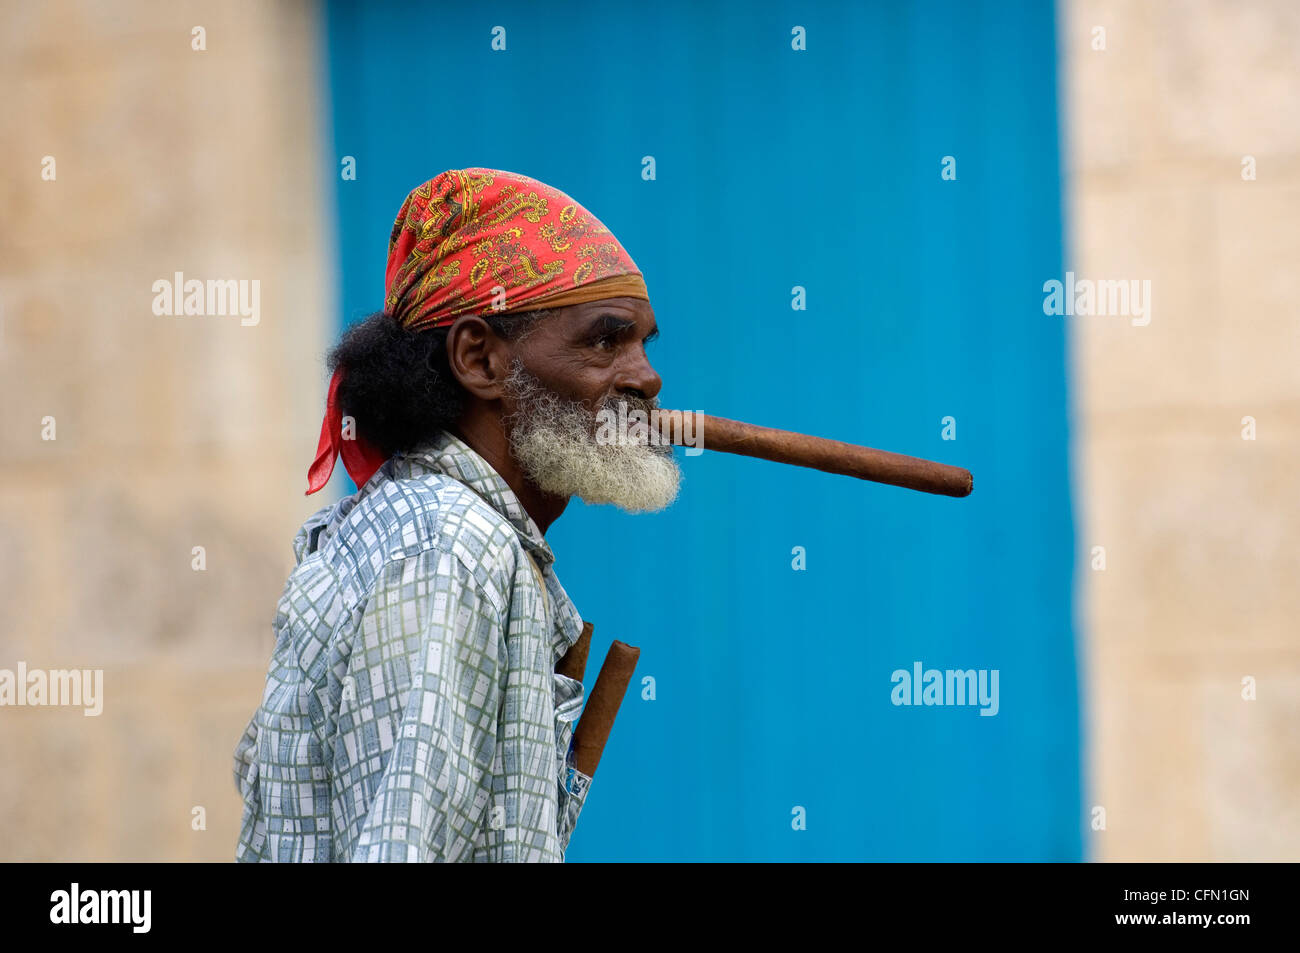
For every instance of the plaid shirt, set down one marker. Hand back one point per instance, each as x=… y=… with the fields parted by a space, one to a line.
x=412 y=710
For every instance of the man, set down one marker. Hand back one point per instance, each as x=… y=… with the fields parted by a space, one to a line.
x=412 y=709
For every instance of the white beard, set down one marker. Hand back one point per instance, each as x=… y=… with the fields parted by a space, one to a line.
x=553 y=441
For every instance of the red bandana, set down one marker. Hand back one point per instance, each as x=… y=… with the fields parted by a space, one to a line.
x=480 y=241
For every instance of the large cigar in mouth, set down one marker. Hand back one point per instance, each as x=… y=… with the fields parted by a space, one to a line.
x=802 y=450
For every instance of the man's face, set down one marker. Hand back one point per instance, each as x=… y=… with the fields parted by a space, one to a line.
x=593 y=351
x=574 y=364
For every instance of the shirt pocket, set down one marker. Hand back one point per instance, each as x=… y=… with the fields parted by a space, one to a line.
x=572 y=784
x=575 y=787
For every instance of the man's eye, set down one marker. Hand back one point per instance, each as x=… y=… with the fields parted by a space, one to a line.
x=603 y=343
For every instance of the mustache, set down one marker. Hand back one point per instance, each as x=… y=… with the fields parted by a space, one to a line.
x=537 y=399
x=613 y=402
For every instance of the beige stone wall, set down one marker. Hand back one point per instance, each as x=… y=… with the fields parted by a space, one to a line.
x=171 y=432
x=1201 y=528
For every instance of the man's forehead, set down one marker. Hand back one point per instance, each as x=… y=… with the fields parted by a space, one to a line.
x=628 y=306
x=636 y=310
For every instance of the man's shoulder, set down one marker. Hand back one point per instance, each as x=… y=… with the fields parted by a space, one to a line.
x=403 y=517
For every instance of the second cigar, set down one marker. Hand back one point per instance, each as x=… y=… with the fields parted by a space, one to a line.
x=804 y=450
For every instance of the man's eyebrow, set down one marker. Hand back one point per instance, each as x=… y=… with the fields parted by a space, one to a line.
x=608 y=324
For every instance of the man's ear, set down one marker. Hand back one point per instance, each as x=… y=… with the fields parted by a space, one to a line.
x=479 y=359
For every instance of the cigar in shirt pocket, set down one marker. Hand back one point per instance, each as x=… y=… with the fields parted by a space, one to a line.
x=604 y=699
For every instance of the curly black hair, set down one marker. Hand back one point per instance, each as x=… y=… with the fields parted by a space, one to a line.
x=398 y=385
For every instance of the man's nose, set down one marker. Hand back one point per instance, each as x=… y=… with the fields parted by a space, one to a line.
x=640 y=379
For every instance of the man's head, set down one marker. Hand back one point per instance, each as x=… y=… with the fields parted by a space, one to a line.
x=461 y=346
x=568 y=369
x=532 y=384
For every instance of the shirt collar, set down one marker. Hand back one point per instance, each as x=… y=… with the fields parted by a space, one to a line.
x=448 y=454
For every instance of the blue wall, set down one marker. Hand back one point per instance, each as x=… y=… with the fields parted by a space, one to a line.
x=779 y=168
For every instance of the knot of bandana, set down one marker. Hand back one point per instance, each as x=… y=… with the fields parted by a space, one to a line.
x=480 y=241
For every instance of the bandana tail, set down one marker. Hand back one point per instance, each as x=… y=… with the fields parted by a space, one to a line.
x=360 y=456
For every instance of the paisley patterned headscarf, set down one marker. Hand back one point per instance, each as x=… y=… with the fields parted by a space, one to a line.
x=480 y=241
